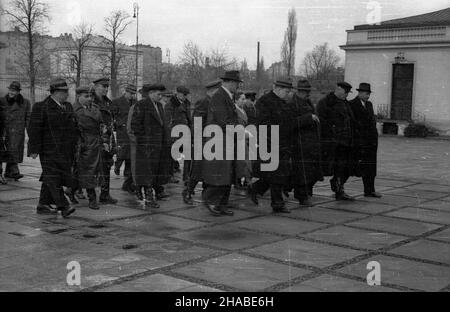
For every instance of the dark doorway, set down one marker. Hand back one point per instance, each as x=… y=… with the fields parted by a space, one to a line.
x=402 y=91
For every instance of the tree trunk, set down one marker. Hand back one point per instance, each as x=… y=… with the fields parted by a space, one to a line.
x=113 y=71
x=79 y=67
x=31 y=64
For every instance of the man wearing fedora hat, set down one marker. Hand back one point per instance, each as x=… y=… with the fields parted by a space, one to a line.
x=273 y=109
x=337 y=138
x=149 y=127
x=367 y=139
x=16 y=115
x=104 y=104
x=120 y=108
x=307 y=154
x=219 y=174
x=53 y=136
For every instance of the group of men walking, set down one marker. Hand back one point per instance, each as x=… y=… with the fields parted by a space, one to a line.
x=76 y=143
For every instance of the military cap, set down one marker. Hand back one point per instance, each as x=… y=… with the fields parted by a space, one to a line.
x=130 y=88
x=303 y=85
x=183 y=90
x=232 y=75
x=345 y=85
x=103 y=80
x=58 y=84
x=83 y=89
x=213 y=84
x=284 y=83
x=15 y=85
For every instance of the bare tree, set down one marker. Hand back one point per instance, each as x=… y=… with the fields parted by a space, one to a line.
x=115 y=25
x=320 y=63
x=76 y=45
x=30 y=16
x=288 y=46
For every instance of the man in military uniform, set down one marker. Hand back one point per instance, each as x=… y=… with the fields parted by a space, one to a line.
x=120 y=109
x=367 y=140
x=337 y=138
x=194 y=174
x=104 y=104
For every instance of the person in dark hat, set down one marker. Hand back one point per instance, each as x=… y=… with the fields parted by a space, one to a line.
x=306 y=145
x=337 y=138
x=104 y=104
x=249 y=106
x=88 y=162
x=152 y=135
x=219 y=174
x=53 y=135
x=16 y=114
x=165 y=98
x=273 y=109
x=367 y=139
x=120 y=108
x=201 y=111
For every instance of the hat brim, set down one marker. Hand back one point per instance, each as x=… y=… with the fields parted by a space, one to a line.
x=15 y=89
x=231 y=79
x=362 y=90
x=283 y=86
x=58 y=89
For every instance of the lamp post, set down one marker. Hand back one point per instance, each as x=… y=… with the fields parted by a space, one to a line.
x=136 y=16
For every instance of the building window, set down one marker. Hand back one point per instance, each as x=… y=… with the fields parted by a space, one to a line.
x=407 y=33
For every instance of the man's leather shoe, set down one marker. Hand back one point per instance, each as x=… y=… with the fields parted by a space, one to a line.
x=373 y=194
x=306 y=202
x=281 y=210
x=45 y=209
x=66 y=211
x=161 y=195
x=16 y=177
x=93 y=205
x=343 y=196
x=226 y=212
x=253 y=195
x=214 y=210
x=151 y=203
x=187 y=199
x=108 y=200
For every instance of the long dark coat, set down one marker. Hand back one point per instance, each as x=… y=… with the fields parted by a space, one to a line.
x=221 y=112
x=89 y=162
x=337 y=128
x=120 y=108
x=250 y=110
x=306 y=144
x=16 y=116
x=272 y=110
x=200 y=110
x=105 y=106
x=366 y=143
x=153 y=149
x=53 y=134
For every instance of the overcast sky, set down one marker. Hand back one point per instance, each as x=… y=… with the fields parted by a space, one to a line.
x=235 y=25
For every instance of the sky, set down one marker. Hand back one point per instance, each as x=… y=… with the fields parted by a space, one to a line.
x=236 y=25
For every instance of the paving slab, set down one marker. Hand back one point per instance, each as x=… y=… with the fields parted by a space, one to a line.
x=425 y=194
x=430 y=187
x=406 y=273
x=395 y=200
x=242 y=272
x=440 y=205
x=158 y=283
x=158 y=224
x=201 y=213
x=330 y=283
x=19 y=194
x=394 y=225
x=306 y=253
x=360 y=206
x=278 y=224
x=358 y=238
x=425 y=215
x=426 y=250
x=319 y=214
x=442 y=236
x=227 y=237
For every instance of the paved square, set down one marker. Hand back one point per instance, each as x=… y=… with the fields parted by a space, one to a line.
x=178 y=247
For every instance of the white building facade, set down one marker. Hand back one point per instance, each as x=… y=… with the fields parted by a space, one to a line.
x=407 y=63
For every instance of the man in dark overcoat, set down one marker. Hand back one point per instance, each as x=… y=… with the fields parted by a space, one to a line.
x=249 y=107
x=272 y=109
x=120 y=108
x=195 y=171
x=53 y=135
x=367 y=140
x=178 y=112
x=306 y=145
x=16 y=115
x=104 y=104
x=152 y=145
x=89 y=160
x=219 y=174
x=337 y=138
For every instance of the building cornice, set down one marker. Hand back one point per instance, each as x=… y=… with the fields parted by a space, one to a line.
x=397 y=45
